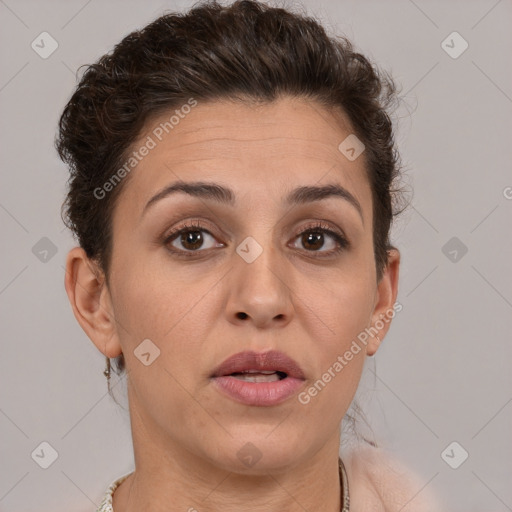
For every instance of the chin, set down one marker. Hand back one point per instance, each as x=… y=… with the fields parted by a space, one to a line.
x=257 y=455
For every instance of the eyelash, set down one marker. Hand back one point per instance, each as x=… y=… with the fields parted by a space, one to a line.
x=342 y=242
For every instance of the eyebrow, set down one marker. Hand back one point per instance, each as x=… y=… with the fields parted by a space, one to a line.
x=221 y=194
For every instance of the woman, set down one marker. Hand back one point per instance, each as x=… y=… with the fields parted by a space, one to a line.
x=232 y=192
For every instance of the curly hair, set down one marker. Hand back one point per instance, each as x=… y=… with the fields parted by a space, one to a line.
x=247 y=52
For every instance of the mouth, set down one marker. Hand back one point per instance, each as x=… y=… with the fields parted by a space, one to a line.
x=259 y=376
x=270 y=366
x=258 y=379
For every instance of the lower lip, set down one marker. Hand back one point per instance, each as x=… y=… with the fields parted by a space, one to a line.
x=258 y=393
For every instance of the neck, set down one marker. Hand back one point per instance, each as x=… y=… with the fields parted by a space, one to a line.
x=169 y=491
x=168 y=478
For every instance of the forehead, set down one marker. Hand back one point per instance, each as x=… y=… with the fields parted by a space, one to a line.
x=261 y=152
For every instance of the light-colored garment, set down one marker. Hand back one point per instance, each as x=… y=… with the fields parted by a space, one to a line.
x=106 y=502
x=381 y=482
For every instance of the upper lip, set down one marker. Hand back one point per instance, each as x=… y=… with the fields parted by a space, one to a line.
x=271 y=360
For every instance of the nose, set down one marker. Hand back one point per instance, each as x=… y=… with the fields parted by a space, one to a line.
x=259 y=288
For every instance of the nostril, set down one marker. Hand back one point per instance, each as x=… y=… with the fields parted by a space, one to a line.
x=242 y=315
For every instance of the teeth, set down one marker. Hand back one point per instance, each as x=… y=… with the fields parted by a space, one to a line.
x=264 y=372
x=257 y=376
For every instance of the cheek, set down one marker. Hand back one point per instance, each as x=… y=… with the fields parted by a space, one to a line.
x=339 y=306
x=175 y=310
x=177 y=318
x=339 y=311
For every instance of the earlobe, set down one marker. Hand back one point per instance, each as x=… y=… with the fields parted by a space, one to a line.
x=384 y=311
x=90 y=300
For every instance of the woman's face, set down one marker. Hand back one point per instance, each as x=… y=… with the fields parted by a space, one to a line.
x=247 y=276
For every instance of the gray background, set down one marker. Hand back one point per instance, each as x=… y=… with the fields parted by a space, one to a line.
x=443 y=372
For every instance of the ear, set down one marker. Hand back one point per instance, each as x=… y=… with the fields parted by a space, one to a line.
x=91 y=302
x=383 y=312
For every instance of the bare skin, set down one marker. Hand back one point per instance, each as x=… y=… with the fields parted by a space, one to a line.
x=299 y=297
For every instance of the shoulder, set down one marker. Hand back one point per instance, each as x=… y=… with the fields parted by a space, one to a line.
x=378 y=481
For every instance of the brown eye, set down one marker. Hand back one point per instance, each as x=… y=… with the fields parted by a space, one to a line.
x=190 y=239
x=313 y=240
x=316 y=238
